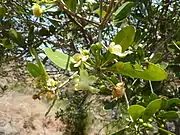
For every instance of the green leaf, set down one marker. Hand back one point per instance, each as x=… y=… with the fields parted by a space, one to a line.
x=149 y=71
x=9 y=46
x=16 y=37
x=33 y=69
x=152 y=108
x=156 y=57
x=2 y=11
x=71 y=4
x=136 y=111
x=97 y=11
x=123 y=11
x=172 y=102
x=109 y=105
x=44 y=32
x=84 y=81
x=59 y=58
x=125 y=37
x=170 y=115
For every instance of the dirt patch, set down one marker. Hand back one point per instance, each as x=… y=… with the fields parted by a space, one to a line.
x=21 y=115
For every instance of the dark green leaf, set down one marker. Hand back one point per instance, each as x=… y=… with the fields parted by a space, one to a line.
x=152 y=108
x=125 y=37
x=16 y=37
x=9 y=46
x=123 y=11
x=71 y=4
x=104 y=90
x=44 y=32
x=136 y=111
x=59 y=58
x=170 y=115
x=110 y=105
x=148 y=72
x=33 y=69
x=2 y=11
x=172 y=102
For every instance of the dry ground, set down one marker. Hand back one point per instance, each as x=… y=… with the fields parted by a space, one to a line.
x=21 y=115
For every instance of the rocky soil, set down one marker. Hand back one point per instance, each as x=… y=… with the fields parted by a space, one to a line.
x=19 y=113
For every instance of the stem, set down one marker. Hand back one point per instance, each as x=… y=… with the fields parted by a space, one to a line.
x=176 y=45
x=100 y=18
x=108 y=79
x=108 y=15
x=152 y=91
x=127 y=103
x=78 y=16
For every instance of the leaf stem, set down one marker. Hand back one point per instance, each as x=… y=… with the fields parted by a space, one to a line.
x=150 y=84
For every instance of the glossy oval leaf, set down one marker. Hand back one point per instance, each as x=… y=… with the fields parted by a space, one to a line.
x=33 y=69
x=152 y=108
x=136 y=111
x=125 y=37
x=123 y=11
x=148 y=71
x=60 y=59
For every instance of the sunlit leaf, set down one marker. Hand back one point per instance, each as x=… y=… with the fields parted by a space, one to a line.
x=123 y=11
x=125 y=37
x=149 y=71
x=84 y=81
x=59 y=58
x=136 y=111
x=33 y=69
x=153 y=107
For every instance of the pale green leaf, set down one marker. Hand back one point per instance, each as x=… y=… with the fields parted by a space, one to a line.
x=125 y=37
x=149 y=71
x=136 y=111
x=59 y=58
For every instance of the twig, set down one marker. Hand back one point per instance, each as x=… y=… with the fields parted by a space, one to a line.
x=100 y=18
x=54 y=101
x=65 y=9
x=108 y=15
x=152 y=91
x=176 y=45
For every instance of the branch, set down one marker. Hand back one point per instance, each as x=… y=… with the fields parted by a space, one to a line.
x=109 y=13
x=65 y=9
x=73 y=17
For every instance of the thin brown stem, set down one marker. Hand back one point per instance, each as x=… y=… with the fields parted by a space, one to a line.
x=109 y=13
x=67 y=11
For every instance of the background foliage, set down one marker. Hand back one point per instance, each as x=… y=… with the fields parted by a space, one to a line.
x=147 y=32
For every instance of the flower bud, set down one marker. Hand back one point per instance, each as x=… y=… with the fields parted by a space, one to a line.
x=37 y=11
